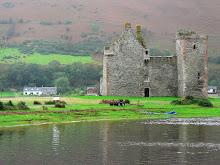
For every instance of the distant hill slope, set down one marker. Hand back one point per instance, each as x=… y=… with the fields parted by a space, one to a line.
x=75 y=20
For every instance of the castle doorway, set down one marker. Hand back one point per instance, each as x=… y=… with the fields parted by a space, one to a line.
x=147 y=92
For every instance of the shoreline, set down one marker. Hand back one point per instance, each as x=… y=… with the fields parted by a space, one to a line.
x=119 y=115
x=85 y=108
x=69 y=122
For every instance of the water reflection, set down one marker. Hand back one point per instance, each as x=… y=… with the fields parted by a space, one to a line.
x=56 y=139
x=164 y=141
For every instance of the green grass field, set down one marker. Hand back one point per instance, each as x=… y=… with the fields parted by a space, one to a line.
x=14 y=94
x=87 y=108
x=7 y=94
x=41 y=59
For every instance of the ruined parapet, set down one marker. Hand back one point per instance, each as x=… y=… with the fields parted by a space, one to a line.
x=108 y=51
x=184 y=34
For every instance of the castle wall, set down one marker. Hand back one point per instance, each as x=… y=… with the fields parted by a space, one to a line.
x=192 y=65
x=161 y=76
x=124 y=65
x=103 y=80
x=180 y=52
x=129 y=70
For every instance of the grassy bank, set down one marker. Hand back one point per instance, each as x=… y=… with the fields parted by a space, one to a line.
x=13 y=55
x=88 y=108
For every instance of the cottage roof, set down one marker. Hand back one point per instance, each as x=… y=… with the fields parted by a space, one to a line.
x=39 y=88
x=93 y=88
x=212 y=87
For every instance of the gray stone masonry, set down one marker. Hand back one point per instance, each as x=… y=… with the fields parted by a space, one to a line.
x=191 y=50
x=129 y=70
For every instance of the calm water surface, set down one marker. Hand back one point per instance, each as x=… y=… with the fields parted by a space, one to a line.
x=161 y=141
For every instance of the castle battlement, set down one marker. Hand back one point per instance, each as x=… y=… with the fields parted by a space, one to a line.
x=184 y=34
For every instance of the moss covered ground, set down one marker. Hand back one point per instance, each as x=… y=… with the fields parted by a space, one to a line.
x=87 y=108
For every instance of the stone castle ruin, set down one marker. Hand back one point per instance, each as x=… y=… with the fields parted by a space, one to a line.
x=130 y=70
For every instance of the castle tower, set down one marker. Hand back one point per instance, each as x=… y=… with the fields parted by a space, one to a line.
x=192 y=59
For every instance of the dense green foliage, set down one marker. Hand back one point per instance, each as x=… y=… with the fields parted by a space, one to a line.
x=37 y=102
x=191 y=100
x=60 y=104
x=214 y=70
x=88 y=47
x=12 y=55
x=65 y=77
x=215 y=59
x=94 y=27
x=46 y=23
x=10 y=106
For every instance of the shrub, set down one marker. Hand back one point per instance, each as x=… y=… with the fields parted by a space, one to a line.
x=60 y=105
x=1 y=106
x=68 y=22
x=3 y=22
x=45 y=107
x=187 y=102
x=191 y=100
x=84 y=35
x=67 y=29
x=37 y=102
x=49 y=102
x=127 y=101
x=9 y=106
x=205 y=103
x=21 y=106
x=176 y=102
x=189 y=97
x=9 y=103
x=62 y=102
x=94 y=27
x=21 y=21
x=46 y=23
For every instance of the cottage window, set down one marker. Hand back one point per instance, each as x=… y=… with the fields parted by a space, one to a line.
x=147 y=52
x=26 y=93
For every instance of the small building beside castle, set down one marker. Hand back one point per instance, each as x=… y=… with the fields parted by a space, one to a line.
x=130 y=70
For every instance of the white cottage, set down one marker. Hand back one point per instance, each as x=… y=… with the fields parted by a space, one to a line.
x=40 y=91
x=212 y=91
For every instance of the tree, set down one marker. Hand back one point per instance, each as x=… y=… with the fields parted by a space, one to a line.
x=21 y=21
x=62 y=84
x=67 y=29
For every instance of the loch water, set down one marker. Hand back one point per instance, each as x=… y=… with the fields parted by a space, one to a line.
x=153 y=141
